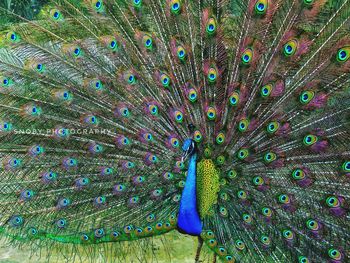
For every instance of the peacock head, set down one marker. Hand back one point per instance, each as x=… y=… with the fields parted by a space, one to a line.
x=189 y=148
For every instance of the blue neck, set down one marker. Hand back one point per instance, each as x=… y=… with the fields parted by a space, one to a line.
x=189 y=221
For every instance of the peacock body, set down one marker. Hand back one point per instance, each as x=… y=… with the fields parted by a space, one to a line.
x=223 y=119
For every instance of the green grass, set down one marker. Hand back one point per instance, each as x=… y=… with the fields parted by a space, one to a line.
x=178 y=248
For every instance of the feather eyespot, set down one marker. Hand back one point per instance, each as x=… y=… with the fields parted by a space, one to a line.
x=303 y=259
x=283 y=199
x=346 y=166
x=332 y=201
x=261 y=7
x=192 y=95
x=239 y=244
x=243 y=154
x=220 y=138
x=211 y=26
x=147 y=42
x=212 y=75
x=137 y=3
x=288 y=234
x=290 y=48
x=97 y=5
x=309 y=2
x=247 y=56
x=211 y=113
x=272 y=127
x=343 y=54
x=335 y=254
x=258 y=180
x=243 y=125
x=175 y=7
x=310 y=140
x=61 y=223
x=306 y=96
x=265 y=240
x=232 y=174
x=266 y=211
x=312 y=224
x=266 y=90
x=234 y=99
x=298 y=174
x=197 y=136
x=13 y=37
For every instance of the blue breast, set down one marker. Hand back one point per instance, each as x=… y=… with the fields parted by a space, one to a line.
x=189 y=221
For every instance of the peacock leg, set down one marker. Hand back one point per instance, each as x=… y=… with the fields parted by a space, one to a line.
x=199 y=248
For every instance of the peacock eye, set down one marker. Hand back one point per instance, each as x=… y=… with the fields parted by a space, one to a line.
x=153 y=109
x=137 y=3
x=288 y=234
x=267 y=211
x=113 y=44
x=197 y=136
x=272 y=127
x=332 y=202
x=335 y=254
x=232 y=174
x=220 y=160
x=175 y=143
x=98 y=5
x=178 y=115
x=165 y=80
x=265 y=240
x=266 y=90
x=346 y=166
x=303 y=259
x=312 y=224
x=147 y=42
x=283 y=199
x=261 y=7
x=247 y=218
x=306 y=96
x=77 y=52
x=211 y=26
x=13 y=37
x=181 y=53
x=243 y=125
x=290 y=48
x=239 y=244
x=243 y=154
x=258 y=180
x=310 y=140
x=343 y=54
x=211 y=113
x=247 y=56
x=308 y=2
x=61 y=223
x=298 y=174
x=220 y=138
x=175 y=7
x=192 y=95
x=212 y=75
x=270 y=157
x=234 y=99
x=40 y=68
x=56 y=15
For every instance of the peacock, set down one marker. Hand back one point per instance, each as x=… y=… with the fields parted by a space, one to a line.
x=226 y=120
